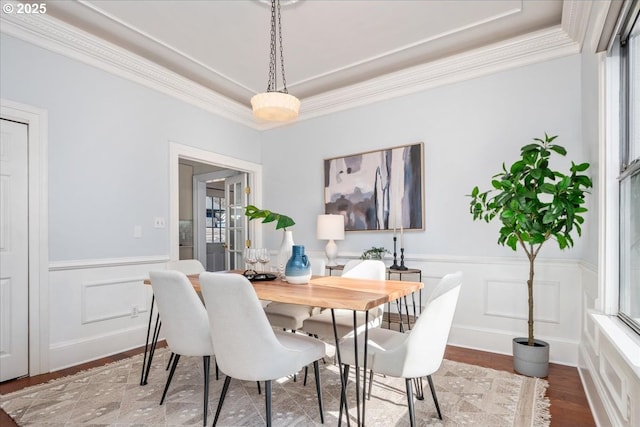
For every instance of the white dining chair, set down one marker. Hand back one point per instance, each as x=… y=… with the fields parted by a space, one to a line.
x=186 y=266
x=321 y=324
x=350 y=264
x=412 y=355
x=291 y=316
x=247 y=347
x=185 y=321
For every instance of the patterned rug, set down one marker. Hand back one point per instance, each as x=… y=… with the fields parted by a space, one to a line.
x=111 y=395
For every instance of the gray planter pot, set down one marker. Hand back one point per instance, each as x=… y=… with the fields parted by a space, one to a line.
x=532 y=361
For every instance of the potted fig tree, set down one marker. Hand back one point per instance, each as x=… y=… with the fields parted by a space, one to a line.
x=535 y=204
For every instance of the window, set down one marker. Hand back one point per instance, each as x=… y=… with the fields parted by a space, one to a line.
x=216 y=220
x=629 y=304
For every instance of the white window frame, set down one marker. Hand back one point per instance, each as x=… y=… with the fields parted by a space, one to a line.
x=614 y=152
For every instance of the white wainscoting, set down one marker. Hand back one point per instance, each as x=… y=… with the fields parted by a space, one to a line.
x=609 y=362
x=98 y=307
x=492 y=309
x=93 y=315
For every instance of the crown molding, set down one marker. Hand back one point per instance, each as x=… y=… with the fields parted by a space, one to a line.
x=575 y=19
x=54 y=35
x=535 y=47
x=57 y=36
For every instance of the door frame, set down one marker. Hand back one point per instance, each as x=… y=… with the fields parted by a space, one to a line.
x=178 y=151
x=37 y=121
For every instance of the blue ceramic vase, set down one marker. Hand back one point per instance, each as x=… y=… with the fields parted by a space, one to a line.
x=298 y=269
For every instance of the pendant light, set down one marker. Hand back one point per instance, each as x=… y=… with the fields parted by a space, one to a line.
x=275 y=105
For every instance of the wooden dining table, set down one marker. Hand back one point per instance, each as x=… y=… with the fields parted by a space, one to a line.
x=329 y=292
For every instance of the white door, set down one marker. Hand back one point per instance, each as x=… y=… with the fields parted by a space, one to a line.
x=237 y=199
x=14 y=251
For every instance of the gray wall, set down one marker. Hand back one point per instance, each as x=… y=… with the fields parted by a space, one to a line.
x=468 y=130
x=108 y=150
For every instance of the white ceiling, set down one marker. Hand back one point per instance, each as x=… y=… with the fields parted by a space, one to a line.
x=337 y=52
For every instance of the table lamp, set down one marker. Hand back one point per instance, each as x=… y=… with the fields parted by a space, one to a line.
x=330 y=227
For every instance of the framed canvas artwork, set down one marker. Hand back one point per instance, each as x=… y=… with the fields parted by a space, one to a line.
x=377 y=190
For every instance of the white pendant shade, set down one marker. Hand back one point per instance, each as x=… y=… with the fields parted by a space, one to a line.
x=275 y=106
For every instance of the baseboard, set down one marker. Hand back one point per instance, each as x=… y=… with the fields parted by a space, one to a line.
x=76 y=352
x=561 y=352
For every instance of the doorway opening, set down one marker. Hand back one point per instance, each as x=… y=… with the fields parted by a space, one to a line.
x=199 y=177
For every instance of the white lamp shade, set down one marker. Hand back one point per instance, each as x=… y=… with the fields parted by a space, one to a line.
x=330 y=227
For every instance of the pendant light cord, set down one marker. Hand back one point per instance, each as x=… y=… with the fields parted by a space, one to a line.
x=272 y=85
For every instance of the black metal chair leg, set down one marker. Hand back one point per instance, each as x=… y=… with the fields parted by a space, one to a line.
x=370 y=383
x=294 y=375
x=206 y=362
x=217 y=371
x=171 y=372
x=267 y=401
x=225 y=387
x=419 y=390
x=146 y=343
x=306 y=374
x=316 y=371
x=433 y=393
x=316 y=336
x=152 y=350
x=412 y=415
x=169 y=362
x=259 y=388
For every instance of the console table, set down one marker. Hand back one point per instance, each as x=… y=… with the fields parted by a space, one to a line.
x=400 y=273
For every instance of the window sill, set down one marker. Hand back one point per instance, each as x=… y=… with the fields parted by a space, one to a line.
x=622 y=338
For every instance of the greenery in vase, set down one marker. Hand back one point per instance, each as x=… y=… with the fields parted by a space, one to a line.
x=534 y=204
x=374 y=253
x=282 y=221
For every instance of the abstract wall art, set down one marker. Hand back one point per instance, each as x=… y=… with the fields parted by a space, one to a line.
x=377 y=190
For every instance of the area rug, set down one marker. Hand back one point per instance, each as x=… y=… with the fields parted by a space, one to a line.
x=111 y=395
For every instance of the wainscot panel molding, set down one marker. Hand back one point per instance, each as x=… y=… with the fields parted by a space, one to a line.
x=131 y=300
x=609 y=361
x=98 y=307
x=110 y=262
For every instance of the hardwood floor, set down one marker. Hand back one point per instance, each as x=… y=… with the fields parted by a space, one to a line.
x=569 y=405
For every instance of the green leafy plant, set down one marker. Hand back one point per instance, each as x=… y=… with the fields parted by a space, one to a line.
x=282 y=221
x=534 y=204
x=374 y=253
